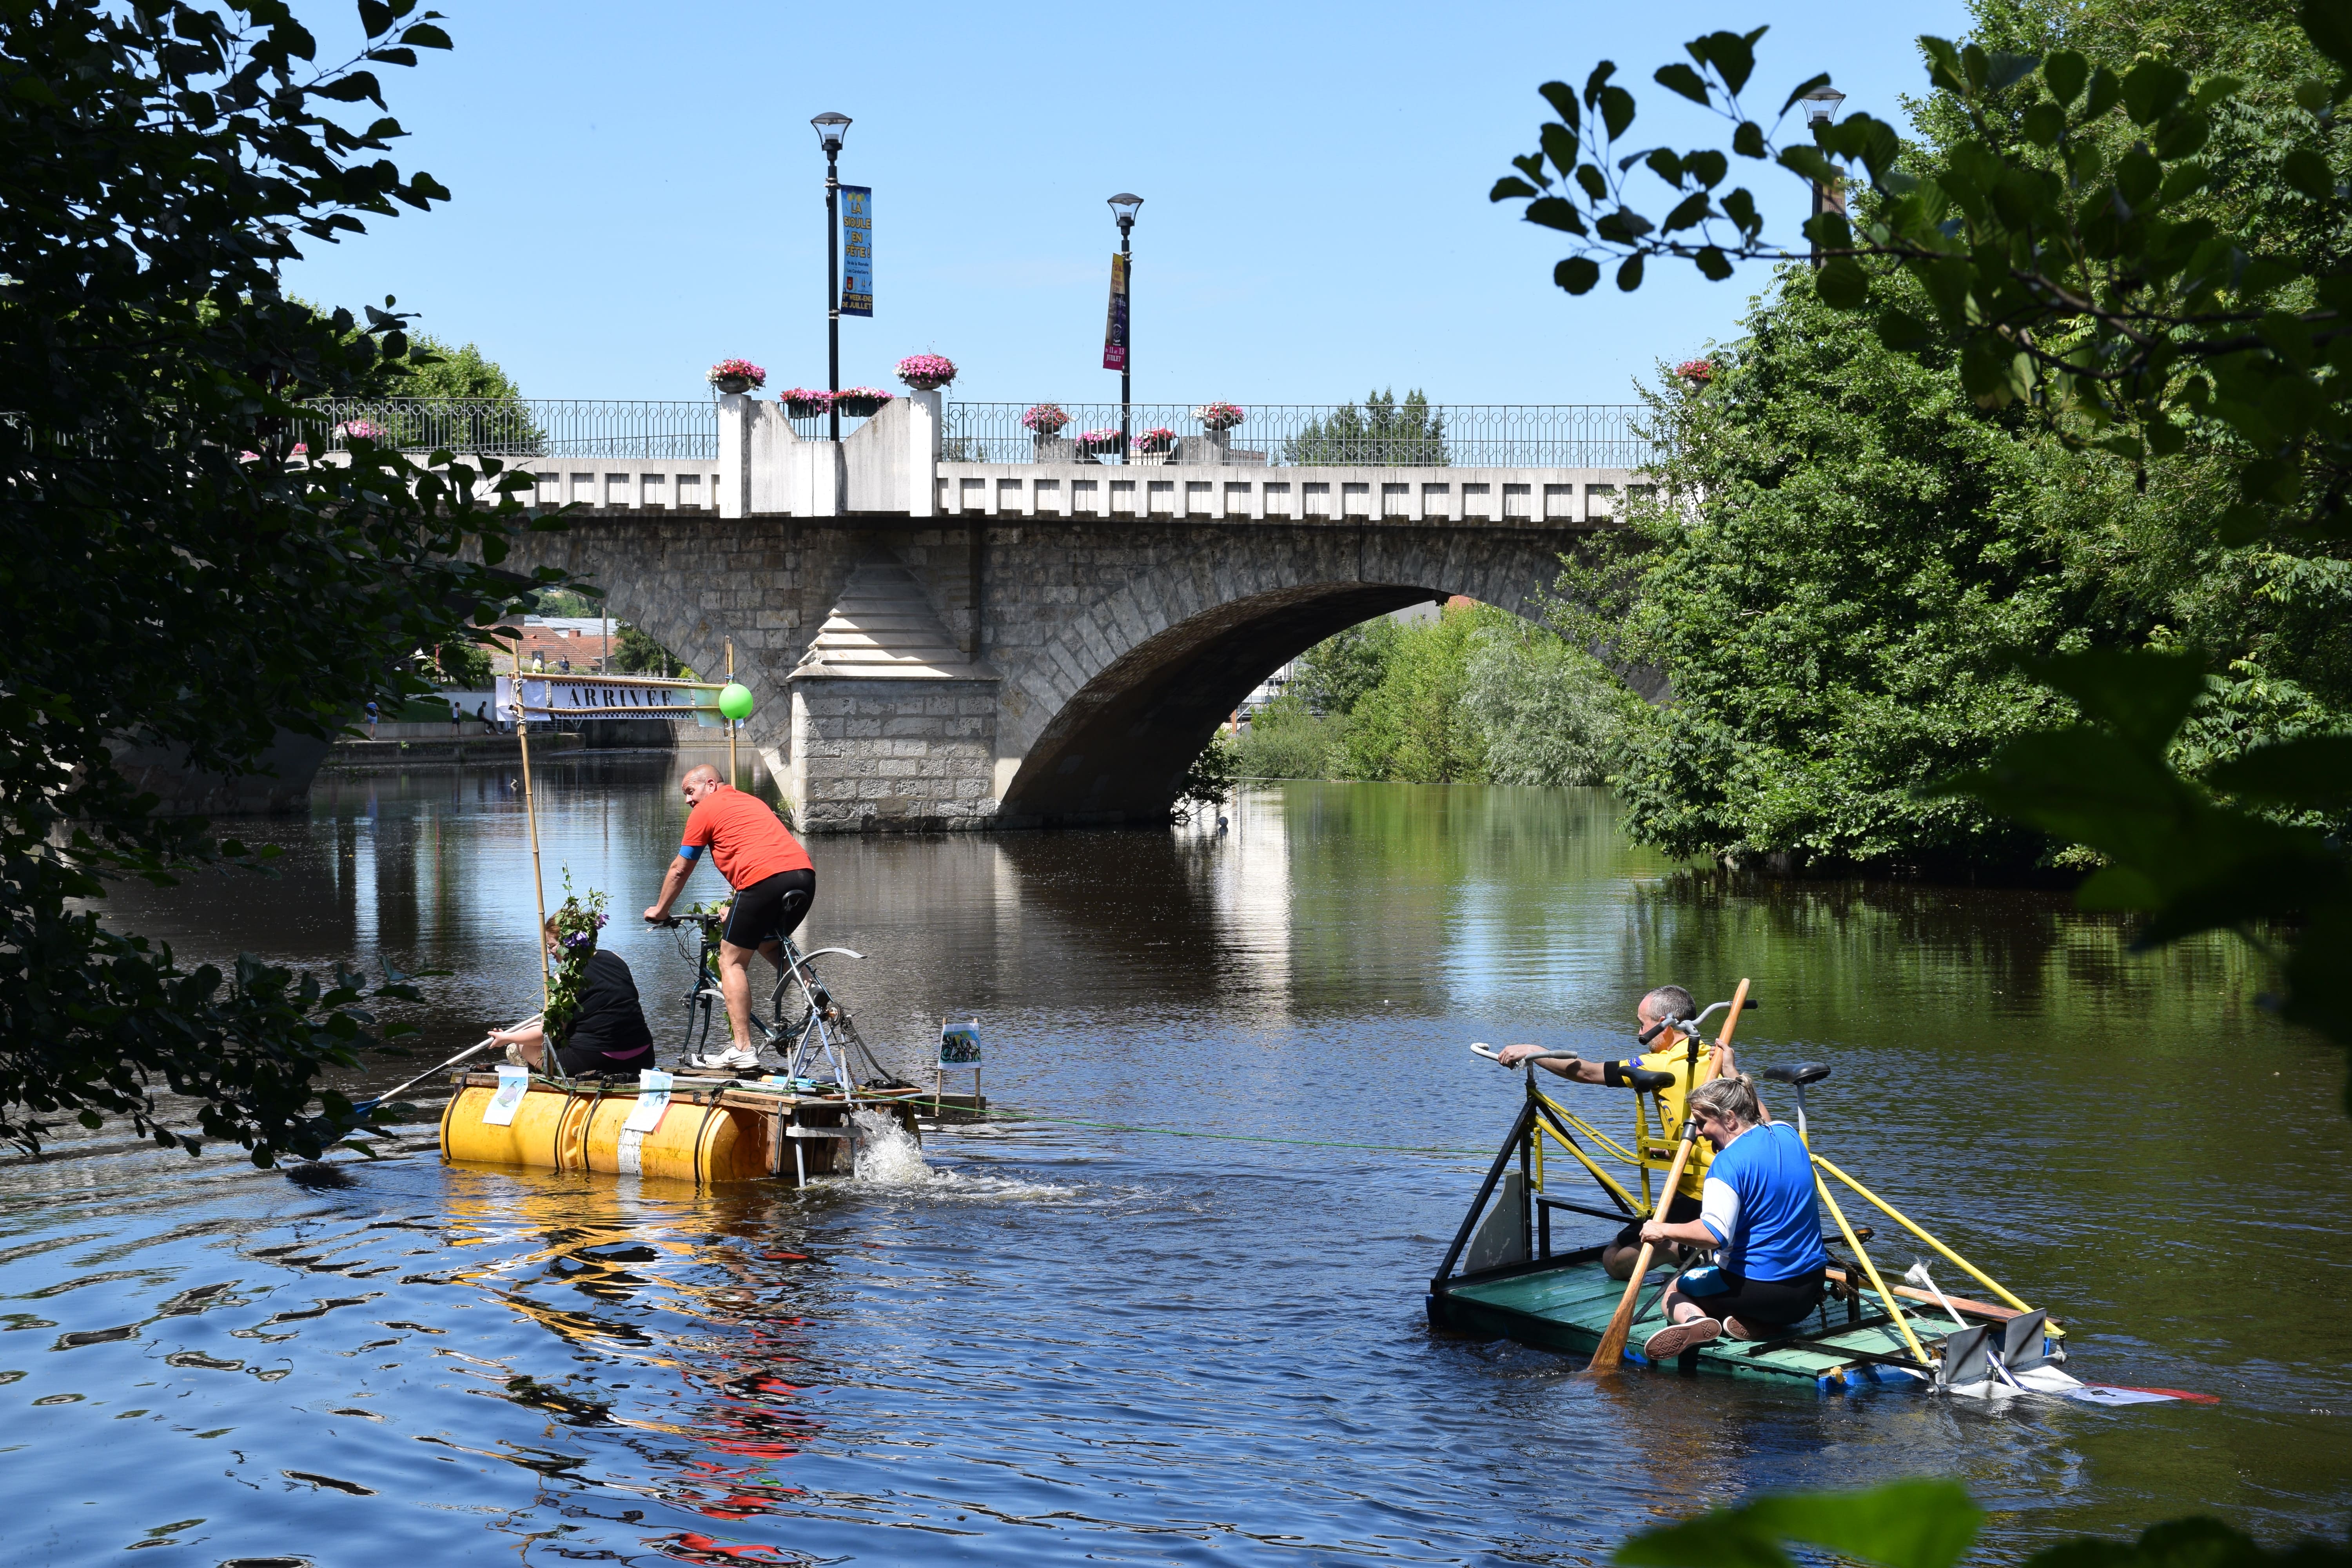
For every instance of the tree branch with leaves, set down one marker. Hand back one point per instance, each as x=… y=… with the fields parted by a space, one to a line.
x=2065 y=237
x=175 y=573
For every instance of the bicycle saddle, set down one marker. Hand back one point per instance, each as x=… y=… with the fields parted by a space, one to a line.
x=1802 y=1073
x=1646 y=1081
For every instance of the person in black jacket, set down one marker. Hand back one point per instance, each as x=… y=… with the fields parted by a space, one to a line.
x=609 y=1036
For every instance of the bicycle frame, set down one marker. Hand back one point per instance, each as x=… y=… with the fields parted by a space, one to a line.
x=819 y=1034
x=817 y=1024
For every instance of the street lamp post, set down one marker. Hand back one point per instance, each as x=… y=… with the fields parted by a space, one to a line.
x=830 y=131
x=1820 y=109
x=1123 y=206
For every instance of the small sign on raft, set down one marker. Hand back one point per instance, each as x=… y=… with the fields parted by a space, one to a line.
x=513 y=1084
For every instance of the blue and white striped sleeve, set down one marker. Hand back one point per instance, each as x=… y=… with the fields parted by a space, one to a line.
x=1719 y=1209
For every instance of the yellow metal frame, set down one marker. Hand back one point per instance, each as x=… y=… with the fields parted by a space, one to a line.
x=1646 y=1205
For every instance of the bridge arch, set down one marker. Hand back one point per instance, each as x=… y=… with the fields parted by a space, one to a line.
x=1166 y=652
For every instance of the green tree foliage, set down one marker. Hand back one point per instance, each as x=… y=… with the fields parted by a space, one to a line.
x=2069 y=236
x=1478 y=695
x=442 y=372
x=634 y=653
x=1333 y=676
x=1924 y=1523
x=1287 y=739
x=463 y=665
x=568 y=603
x=2094 y=235
x=1550 y=714
x=1414 y=726
x=171 y=581
x=1383 y=433
x=1836 y=615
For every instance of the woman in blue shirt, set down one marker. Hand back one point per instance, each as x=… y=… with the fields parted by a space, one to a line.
x=1759 y=1213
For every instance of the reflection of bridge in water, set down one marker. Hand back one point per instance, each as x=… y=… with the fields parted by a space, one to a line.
x=953 y=620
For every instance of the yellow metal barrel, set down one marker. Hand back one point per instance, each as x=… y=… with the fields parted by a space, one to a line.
x=581 y=1130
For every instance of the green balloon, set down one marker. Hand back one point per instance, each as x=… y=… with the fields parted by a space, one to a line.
x=735 y=701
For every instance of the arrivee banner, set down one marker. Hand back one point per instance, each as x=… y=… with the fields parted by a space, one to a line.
x=564 y=697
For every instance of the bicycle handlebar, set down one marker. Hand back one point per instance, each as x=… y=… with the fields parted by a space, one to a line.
x=1692 y=1025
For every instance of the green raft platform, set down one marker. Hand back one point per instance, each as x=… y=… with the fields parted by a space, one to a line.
x=1563 y=1303
x=1502 y=1279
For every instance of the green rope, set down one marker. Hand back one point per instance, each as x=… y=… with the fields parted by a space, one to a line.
x=1228 y=1137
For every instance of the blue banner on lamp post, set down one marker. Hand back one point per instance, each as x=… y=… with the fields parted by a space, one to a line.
x=858 y=250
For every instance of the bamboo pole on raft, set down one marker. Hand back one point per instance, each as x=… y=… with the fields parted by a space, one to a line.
x=731 y=725
x=531 y=816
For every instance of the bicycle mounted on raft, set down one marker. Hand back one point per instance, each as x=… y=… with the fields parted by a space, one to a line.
x=819 y=1032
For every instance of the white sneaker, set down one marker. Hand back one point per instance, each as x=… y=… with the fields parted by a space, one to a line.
x=738 y=1059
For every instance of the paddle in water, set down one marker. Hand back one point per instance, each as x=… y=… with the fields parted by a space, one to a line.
x=1609 y=1353
x=366 y=1106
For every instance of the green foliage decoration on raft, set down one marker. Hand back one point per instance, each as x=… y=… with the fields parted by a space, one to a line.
x=577 y=921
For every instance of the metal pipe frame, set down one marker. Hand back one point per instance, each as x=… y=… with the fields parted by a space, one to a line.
x=1979 y=1275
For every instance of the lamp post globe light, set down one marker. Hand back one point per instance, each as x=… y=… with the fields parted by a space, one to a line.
x=1820 y=109
x=1123 y=208
x=832 y=129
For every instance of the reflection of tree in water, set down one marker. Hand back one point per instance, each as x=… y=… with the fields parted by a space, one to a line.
x=1862 y=960
x=1140 y=899
x=1422 y=855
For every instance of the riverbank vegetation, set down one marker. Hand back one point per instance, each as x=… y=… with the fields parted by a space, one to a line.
x=1864 y=539
x=1475 y=696
x=2125 y=235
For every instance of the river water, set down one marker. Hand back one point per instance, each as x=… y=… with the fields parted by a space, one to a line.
x=1069 y=1343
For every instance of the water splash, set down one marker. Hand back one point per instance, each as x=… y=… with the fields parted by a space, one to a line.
x=887 y=1155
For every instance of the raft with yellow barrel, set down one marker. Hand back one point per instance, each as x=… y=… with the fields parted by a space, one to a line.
x=719 y=1131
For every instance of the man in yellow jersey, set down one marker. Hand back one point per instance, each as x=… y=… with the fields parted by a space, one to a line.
x=1669 y=1052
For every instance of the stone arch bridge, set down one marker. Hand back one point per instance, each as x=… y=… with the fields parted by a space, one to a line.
x=1017 y=646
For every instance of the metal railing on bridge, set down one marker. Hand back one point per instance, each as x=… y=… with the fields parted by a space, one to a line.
x=686 y=430
x=1378 y=433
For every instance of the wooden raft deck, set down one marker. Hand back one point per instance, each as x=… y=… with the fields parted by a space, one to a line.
x=1565 y=1304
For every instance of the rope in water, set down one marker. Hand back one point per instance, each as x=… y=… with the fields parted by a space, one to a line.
x=1227 y=1137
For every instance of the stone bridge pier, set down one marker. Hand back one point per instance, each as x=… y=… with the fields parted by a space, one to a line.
x=1016 y=672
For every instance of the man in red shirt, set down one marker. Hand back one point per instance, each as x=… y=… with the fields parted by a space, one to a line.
x=774 y=884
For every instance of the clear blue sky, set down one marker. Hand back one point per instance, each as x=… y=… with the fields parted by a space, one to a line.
x=638 y=192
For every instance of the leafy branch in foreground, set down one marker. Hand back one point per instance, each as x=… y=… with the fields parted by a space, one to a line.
x=2077 y=240
x=179 y=576
x=2060 y=244
x=1931 y=1524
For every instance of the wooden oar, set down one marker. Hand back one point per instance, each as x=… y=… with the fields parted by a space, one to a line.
x=1611 y=1351
x=1609 y=1354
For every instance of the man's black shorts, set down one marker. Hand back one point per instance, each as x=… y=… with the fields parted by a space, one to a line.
x=1681 y=1211
x=771 y=909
